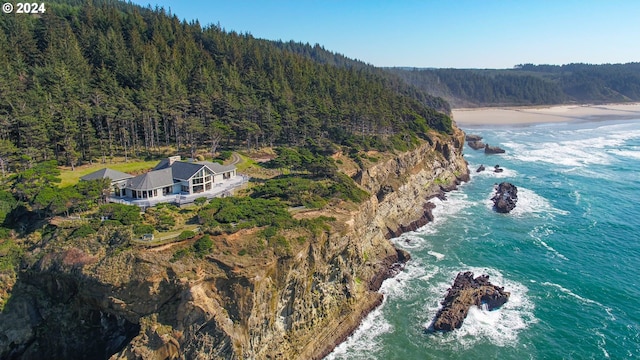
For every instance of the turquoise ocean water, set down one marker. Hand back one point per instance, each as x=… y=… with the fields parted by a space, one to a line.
x=569 y=253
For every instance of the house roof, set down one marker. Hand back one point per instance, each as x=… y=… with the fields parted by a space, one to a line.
x=151 y=180
x=163 y=164
x=164 y=174
x=184 y=170
x=106 y=173
x=217 y=168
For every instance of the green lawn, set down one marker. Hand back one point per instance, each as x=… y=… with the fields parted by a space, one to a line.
x=245 y=163
x=70 y=177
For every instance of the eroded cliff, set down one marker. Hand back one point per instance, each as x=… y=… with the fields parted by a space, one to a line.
x=133 y=303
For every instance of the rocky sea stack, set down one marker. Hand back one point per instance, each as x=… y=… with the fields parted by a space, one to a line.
x=488 y=149
x=466 y=292
x=475 y=142
x=505 y=198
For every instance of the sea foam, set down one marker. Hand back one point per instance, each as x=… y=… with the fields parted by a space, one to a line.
x=455 y=203
x=540 y=232
x=366 y=339
x=570 y=152
x=488 y=172
x=529 y=203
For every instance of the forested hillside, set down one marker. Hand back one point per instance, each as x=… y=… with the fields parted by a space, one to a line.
x=529 y=84
x=88 y=81
x=320 y=55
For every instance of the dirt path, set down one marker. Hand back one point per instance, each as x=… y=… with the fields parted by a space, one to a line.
x=236 y=159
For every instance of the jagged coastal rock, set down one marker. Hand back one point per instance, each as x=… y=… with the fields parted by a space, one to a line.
x=488 y=149
x=505 y=198
x=481 y=168
x=473 y=137
x=464 y=293
x=476 y=145
x=474 y=141
x=139 y=304
x=497 y=169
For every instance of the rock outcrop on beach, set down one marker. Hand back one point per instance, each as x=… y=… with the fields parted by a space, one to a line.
x=505 y=198
x=465 y=293
x=488 y=149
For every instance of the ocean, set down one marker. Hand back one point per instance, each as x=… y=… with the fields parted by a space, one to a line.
x=569 y=253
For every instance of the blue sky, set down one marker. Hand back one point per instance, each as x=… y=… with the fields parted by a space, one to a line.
x=442 y=33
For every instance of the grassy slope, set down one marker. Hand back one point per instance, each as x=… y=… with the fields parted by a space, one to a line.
x=70 y=177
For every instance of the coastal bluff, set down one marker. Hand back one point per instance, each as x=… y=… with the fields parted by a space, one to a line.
x=93 y=302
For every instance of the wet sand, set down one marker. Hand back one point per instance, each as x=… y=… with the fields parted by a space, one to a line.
x=533 y=115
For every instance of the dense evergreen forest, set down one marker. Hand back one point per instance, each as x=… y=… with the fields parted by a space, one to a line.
x=529 y=84
x=88 y=81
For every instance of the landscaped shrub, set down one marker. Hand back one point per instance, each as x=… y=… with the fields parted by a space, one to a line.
x=163 y=218
x=203 y=245
x=200 y=201
x=187 y=234
x=166 y=222
x=126 y=214
x=112 y=223
x=245 y=212
x=143 y=229
x=225 y=155
x=180 y=254
x=83 y=231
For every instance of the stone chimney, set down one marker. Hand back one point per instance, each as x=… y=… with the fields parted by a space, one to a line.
x=173 y=159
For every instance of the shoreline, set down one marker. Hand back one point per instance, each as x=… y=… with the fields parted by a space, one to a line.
x=403 y=210
x=529 y=115
x=389 y=271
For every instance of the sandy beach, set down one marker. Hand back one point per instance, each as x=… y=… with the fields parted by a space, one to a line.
x=532 y=115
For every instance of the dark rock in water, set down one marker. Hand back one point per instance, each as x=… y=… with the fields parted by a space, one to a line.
x=466 y=292
x=505 y=198
x=496 y=166
x=473 y=137
x=498 y=170
x=476 y=145
x=488 y=149
x=480 y=169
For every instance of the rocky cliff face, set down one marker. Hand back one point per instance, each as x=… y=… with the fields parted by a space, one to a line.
x=94 y=302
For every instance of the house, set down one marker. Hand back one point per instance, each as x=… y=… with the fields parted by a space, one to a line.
x=172 y=180
x=118 y=179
